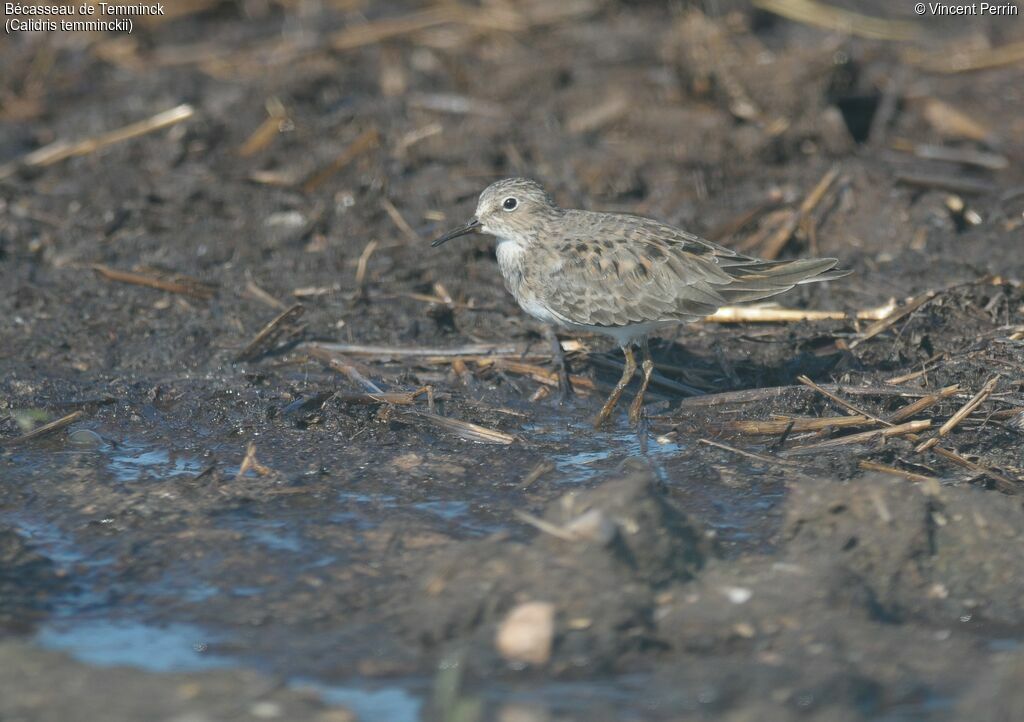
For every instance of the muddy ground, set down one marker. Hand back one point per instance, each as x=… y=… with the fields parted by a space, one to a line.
x=227 y=527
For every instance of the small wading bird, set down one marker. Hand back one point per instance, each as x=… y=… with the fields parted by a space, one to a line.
x=620 y=275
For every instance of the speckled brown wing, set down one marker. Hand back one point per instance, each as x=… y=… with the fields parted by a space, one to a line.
x=616 y=270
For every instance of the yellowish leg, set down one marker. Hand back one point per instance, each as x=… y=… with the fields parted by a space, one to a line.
x=627 y=376
x=647 y=364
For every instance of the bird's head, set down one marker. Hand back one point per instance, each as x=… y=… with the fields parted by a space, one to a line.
x=506 y=209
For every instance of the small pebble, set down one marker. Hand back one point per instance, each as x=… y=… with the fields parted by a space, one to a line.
x=527 y=632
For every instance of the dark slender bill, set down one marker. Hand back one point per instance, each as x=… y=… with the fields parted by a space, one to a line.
x=472 y=227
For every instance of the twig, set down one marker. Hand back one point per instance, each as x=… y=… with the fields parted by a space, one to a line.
x=963 y=61
x=194 y=288
x=1006 y=485
x=251 y=462
x=957 y=184
x=796 y=425
x=469 y=351
x=845 y=21
x=44 y=430
x=910 y=427
x=774 y=245
x=916 y=407
x=254 y=290
x=885 y=323
x=545 y=526
x=537 y=373
x=747 y=396
x=262 y=341
x=399 y=220
x=364 y=141
x=977 y=400
x=748 y=454
x=465 y=429
x=269 y=129
x=342 y=365
x=775 y=314
x=361 y=264
x=895 y=471
x=856 y=410
x=62 y=149
x=536 y=473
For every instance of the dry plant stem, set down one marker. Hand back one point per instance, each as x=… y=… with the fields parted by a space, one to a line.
x=921 y=404
x=880 y=326
x=262 y=340
x=251 y=462
x=465 y=429
x=196 y=289
x=473 y=352
x=545 y=526
x=365 y=141
x=895 y=471
x=844 y=21
x=537 y=373
x=797 y=425
x=770 y=314
x=254 y=290
x=62 y=149
x=977 y=400
x=44 y=430
x=536 y=473
x=857 y=411
x=910 y=427
x=342 y=365
x=1004 y=484
x=774 y=245
x=399 y=220
x=748 y=454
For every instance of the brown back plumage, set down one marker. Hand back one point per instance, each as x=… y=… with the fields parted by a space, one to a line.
x=615 y=269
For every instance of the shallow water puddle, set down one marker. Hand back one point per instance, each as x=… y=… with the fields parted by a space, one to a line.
x=107 y=643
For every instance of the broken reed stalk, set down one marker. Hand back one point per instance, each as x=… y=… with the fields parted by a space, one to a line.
x=192 y=287
x=63 y=149
x=796 y=425
x=748 y=454
x=537 y=373
x=445 y=355
x=910 y=427
x=775 y=314
x=342 y=365
x=774 y=245
x=363 y=142
x=262 y=341
x=977 y=400
x=465 y=429
x=885 y=323
x=44 y=430
x=821 y=15
x=856 y=410
x=1004 y=484
x=896 y=471
x=912 y=409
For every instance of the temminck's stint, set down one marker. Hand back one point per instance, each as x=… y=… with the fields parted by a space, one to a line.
x=620 y=275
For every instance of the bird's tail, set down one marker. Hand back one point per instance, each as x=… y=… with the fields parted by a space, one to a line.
x=763 y=279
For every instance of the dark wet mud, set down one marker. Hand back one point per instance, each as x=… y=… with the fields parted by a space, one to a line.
x=376 y=507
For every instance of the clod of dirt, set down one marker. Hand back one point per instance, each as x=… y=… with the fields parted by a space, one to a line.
x=527 y=632
x=649 y=535
x=609 y=551
x=909 y=552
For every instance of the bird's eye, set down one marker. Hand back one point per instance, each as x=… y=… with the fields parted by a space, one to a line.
x=510 y=204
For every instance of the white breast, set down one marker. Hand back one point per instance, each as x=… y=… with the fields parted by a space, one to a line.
x=510 y=260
